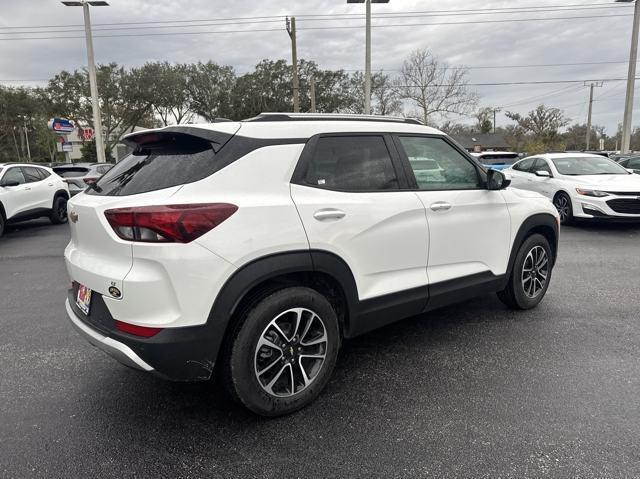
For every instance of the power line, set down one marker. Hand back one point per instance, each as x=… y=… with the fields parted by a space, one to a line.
x=248 y=21
x=539 y=82
x=404 y=25
x=278 y=18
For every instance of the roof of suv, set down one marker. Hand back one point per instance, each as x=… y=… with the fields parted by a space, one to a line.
x=305 y=125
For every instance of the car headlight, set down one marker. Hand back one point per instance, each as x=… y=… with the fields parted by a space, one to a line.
x=596 y=193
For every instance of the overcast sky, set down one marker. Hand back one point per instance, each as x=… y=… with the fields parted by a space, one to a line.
x=529 y=41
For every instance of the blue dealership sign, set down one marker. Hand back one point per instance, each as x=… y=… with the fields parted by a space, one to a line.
x=61 y=126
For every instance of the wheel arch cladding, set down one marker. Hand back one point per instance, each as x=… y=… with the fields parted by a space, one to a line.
x=318 y=270
x=62 y=193
x=2 y=211
x=544 y=224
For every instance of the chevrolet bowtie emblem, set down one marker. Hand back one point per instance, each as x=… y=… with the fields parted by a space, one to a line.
x=73 y=216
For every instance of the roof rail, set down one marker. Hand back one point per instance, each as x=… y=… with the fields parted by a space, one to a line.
x=264 y=117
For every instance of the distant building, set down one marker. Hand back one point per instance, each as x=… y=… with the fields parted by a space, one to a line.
x=478 y=142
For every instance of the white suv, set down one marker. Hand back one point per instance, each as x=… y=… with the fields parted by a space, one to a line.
x=28 y=191
x=257 y=246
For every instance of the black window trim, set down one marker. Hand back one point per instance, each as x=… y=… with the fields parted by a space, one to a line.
x=481 y=172
x=300 y=172
x=534 y=168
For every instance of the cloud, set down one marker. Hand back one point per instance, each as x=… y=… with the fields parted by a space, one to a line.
x=509 y=43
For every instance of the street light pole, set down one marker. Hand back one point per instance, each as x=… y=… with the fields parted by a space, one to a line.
x=367 y=54
x=631 y=79
x=93 y=84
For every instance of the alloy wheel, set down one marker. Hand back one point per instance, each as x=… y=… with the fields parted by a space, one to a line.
x=535 y=271
x=290 y=352
x=562 y=205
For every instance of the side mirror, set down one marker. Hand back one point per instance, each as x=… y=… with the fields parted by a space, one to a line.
x=630 y=170
x=10 y=183
x=496 y=180
x=543 y=174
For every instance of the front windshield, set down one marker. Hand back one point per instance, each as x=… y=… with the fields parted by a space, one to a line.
x=588 y=165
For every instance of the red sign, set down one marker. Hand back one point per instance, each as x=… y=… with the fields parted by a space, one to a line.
x=87 y=134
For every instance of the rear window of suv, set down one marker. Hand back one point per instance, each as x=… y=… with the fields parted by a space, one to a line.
x=174 y=160
x=71 y=172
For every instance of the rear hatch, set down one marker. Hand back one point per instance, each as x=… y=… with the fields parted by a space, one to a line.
x=72 y=175
x=162 y=161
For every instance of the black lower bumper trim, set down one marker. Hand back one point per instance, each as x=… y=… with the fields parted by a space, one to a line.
x=178 y=354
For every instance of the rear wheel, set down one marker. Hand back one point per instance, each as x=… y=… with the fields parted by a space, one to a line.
x=283 y=352
x=530 y=275
x=59 y=211
x=2 y=223
x=562 y=202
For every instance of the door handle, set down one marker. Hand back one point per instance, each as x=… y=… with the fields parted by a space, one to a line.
x=440 y=206
x=50 y=184
x=27 y=188
x=329 y=214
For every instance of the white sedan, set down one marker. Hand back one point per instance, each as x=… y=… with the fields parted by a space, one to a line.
x=580 y=185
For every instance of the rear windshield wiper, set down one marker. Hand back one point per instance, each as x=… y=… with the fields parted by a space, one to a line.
x=95 y=187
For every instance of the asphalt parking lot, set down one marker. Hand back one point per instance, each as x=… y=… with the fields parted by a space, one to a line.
x=472 y=390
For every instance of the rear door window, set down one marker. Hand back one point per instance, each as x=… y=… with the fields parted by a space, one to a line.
x=175 y=159
x=31 y=174
x=352 y=163
x=43 y=173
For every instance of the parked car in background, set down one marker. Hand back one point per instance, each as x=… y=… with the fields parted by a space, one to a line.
x=581 y=185
x=28 y=191
x=80 y=175
x=258 y=246
x=631 y=163
x=497 y=160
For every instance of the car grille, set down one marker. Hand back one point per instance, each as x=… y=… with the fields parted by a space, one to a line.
x=627 y=206
x=624 y=193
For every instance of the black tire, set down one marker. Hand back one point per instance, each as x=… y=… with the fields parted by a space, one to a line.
x=515 y=294
x=242 y=355
x=59 y=211
x=562 y=202
x=2 y=224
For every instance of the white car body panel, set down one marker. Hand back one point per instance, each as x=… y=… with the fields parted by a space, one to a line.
x=383 y=236
x=468 y=238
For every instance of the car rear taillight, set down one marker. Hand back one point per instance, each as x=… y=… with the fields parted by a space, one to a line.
x=90 y=180
x=136 y=330
x=168 y=223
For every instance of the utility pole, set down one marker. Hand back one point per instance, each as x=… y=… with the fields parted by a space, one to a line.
x=93 y=84
x=591 y=86
x=26 y=138
x=631 y=79
x=495 y=110
x=367 y=54
x=291 y=29
x=312 y=93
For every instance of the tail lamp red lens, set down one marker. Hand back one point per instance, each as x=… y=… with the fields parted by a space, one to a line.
x=168 y=223
x=136 y=330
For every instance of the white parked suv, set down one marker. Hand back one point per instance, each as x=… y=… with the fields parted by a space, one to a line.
x=258 y=246
x=581 y=185
x=28 y=191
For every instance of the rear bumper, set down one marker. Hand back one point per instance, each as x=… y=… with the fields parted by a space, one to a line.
x=177 y=354
x=118 y=350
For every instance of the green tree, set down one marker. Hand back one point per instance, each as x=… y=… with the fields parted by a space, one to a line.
x=123 y=102
x=540 y=128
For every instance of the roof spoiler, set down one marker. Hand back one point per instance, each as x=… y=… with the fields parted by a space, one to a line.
x=138 y=139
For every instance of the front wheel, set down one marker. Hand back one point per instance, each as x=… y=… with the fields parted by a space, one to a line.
x=59 y=211
x=562 y=202
x=283 y=352
x=530 y=275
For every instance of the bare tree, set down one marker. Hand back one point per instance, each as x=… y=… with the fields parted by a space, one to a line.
x=434 y=87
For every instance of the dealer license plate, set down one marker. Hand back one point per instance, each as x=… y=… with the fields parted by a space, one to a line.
x=83 y=300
